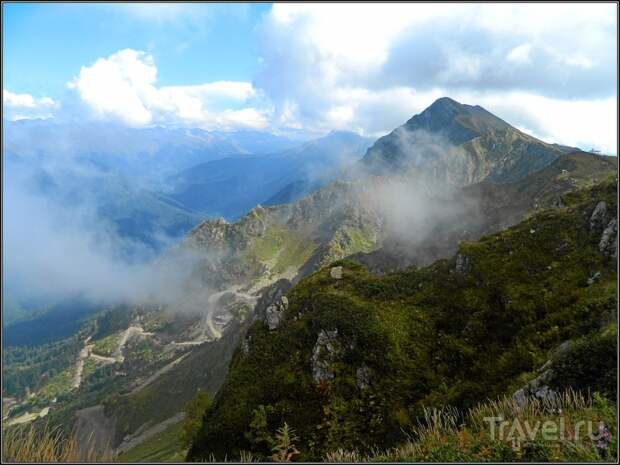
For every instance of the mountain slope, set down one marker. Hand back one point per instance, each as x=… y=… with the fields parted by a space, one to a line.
x=231 y=186
x=461 y=144
x=354 y=358
x=487 y=207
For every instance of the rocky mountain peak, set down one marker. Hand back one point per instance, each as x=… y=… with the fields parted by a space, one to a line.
x=460 y=143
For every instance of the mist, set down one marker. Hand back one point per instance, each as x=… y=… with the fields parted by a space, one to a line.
x=418 y=195
x=57 y=245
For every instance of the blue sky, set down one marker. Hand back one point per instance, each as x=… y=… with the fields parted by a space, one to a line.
x=312 y=68
x=46 y=44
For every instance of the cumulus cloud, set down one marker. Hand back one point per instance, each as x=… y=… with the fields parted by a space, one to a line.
x=123 y=87
x=323 y=67
x=25 y=106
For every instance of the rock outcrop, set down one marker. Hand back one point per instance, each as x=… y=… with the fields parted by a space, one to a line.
x=539 y=388
x=608 y=244
x=325 y=352
x=274 y=313
x=599 y=216
x=463 y=264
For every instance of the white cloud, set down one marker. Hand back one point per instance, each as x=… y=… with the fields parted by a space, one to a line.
x=520 y=54
x=583 y=123
x=23 y=106
x=123 y=86
x=370 y=68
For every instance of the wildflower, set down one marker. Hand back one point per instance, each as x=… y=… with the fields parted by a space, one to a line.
x=604 y=437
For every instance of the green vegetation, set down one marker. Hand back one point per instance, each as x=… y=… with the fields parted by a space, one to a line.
x=455 y=333
x=447 y=435
x=107 y=345
x=33 y=367
x=203 y=369
x=280 y=247
x=166 y=446
x=59 y=385
x=358 y=240
x=194 y=412
x=113 y=320
x=589 y=364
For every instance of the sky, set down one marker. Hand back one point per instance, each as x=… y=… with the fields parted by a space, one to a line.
x=548 y=69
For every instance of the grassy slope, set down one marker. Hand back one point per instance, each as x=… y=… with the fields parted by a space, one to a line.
x=429 y=337
x=166 y=446
x=447 y=435
x=281 y=248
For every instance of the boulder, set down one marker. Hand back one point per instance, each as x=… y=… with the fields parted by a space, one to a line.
x=336 y=272
x=537 y=388
x=272 y=300
x=599 y=216
x=608 y=245
x=463 y=264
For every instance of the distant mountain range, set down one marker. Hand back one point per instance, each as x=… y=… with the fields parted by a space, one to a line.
x=148 y=153
x=231 y=186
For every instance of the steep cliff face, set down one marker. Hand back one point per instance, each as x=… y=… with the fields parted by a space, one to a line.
x=461 y=144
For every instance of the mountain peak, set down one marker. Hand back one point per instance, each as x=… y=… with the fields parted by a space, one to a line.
x=501 y=152
x=457 y=121
x=445 y=103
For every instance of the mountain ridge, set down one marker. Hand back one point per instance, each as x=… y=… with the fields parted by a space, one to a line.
x=460 y=143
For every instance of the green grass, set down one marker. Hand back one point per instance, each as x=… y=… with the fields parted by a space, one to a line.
x=166 y=446
x=282 y=246
x=59 y=384
x=448 y=435
x=107 y=345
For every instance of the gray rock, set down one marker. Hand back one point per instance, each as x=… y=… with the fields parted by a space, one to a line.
x=463 y=264
x=325 y=352
x=563 y=347
x=595 y=278
x=272 y=303
x=539 y=389
x=608 y=244
x=336 y=272
x=520 y=397
x=363 y=376
x=599 y=216
x=274 y=313
x=245 y=345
